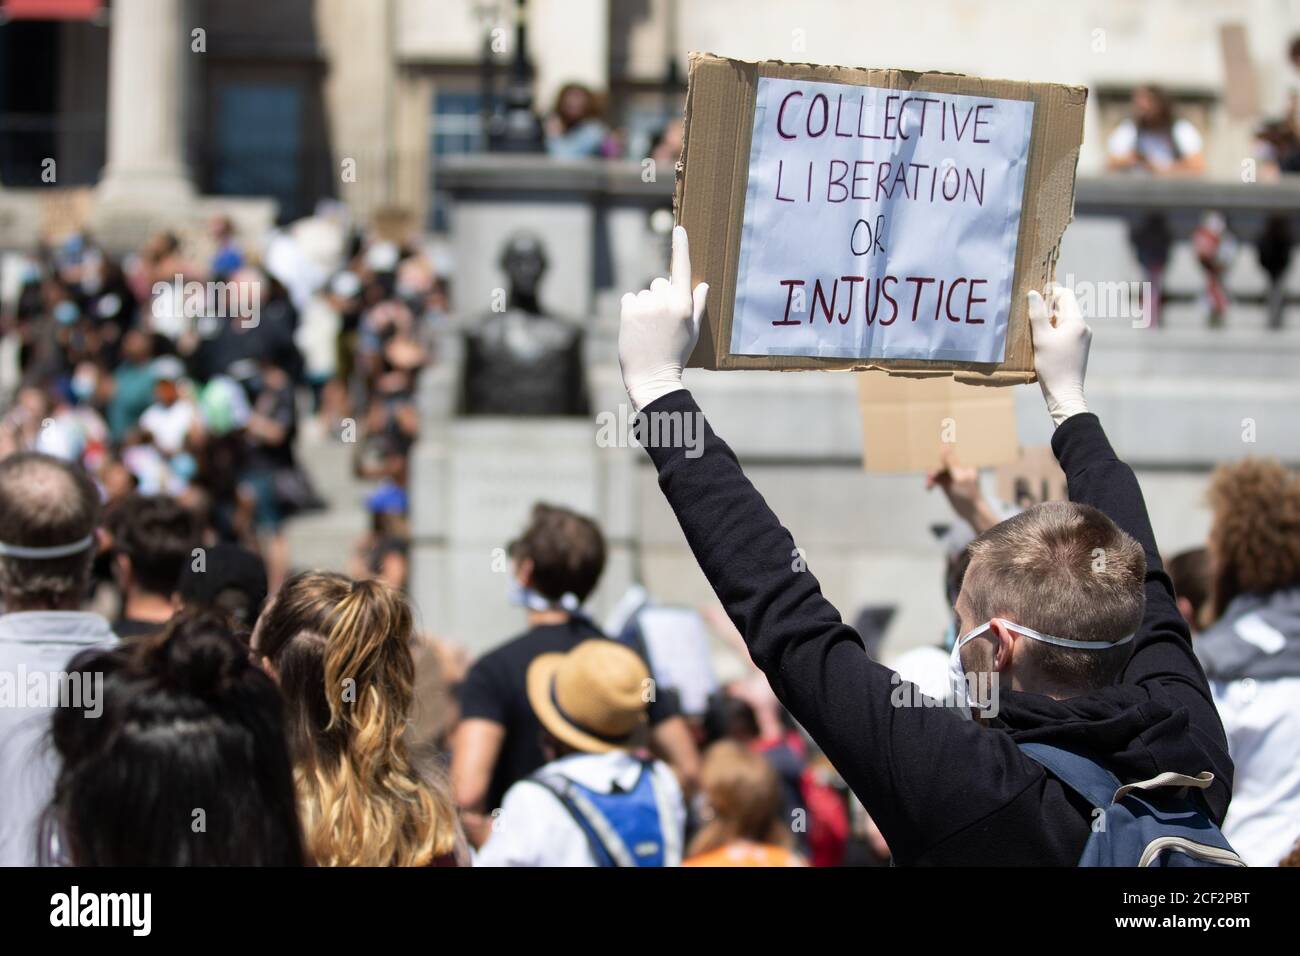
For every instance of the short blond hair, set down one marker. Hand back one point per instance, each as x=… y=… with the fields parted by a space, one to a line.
x=1067 y=570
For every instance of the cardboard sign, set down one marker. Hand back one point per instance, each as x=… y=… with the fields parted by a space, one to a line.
x=1240 y=88
x=908 y=423
x=1033 y=478
x=873 y=219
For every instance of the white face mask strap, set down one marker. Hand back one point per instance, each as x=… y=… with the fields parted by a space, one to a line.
x=1062 y=641
x=971 y=635
x=46 y=554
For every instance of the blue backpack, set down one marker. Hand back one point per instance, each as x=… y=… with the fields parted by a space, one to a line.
x=626 y=827
x=1156 y=822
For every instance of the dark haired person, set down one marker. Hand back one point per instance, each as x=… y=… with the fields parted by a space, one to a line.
x=575 y=128
x=1155 y=142
x=231 y=580
x=153 y=541
x=186 y=766
x=1153 y=139
x=557 y=562
x=1066 y=605
x=49 y=516
x=1190 y=572
x=1277 y=146
x=1251 y=652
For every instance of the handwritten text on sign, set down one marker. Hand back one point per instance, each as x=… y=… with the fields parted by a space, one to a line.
x=880 y=223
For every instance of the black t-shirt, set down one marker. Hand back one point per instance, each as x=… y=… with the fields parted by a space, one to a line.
x=126 y=628
x=231 y=344
x=496 y=689
x=277 y=404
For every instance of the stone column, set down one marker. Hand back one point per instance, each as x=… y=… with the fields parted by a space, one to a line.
x=414 y=109
x=146 y=129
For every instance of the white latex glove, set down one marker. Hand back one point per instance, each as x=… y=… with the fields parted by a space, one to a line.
x=659 y=328
x=1061 y=340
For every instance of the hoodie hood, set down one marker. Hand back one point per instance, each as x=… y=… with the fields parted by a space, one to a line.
x=1134 y=735
x=1257 y=637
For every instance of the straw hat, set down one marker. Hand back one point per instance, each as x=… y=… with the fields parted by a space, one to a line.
x=591 y=698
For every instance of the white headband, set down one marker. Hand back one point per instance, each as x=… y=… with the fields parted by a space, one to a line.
x=43 y=554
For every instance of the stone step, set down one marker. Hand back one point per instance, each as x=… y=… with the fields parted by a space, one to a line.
x=327 y=539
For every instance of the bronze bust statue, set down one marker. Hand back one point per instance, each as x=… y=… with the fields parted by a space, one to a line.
x=523 y=361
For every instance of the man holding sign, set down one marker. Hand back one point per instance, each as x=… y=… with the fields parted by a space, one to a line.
x=1067 y=617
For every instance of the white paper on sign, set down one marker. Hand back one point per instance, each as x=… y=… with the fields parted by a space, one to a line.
x=880 y=223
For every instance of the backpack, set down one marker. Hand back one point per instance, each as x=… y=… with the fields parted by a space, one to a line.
x=1156 y=822
x=624 y=827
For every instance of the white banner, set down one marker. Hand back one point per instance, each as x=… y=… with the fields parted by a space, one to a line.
x=880 y=223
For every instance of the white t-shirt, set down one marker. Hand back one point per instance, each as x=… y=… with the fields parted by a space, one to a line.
x=1155 y=147
x=927 y=668
x=317 y=338
x=169 y=424
x=534 y=829
x=167 y=313
x=1262 y=721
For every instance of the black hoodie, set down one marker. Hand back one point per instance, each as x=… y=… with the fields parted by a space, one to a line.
x=942 y=789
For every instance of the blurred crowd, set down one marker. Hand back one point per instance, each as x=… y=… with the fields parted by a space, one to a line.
x=189 y=370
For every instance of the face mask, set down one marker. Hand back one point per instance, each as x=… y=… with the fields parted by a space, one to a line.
x=184 y=466
x=66 y=313
x=521 y=596
x=957 y=674
x=83 y=387
x=950 y=634
x=108 y=305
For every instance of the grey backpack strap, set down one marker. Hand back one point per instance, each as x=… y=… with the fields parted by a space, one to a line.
x=1089 y=779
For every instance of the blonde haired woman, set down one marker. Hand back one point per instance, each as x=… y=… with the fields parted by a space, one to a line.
x=742 y=812
x=341 y=652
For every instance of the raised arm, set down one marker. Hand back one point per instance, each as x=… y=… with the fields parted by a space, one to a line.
x=877 y=731
x=1163 y=662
